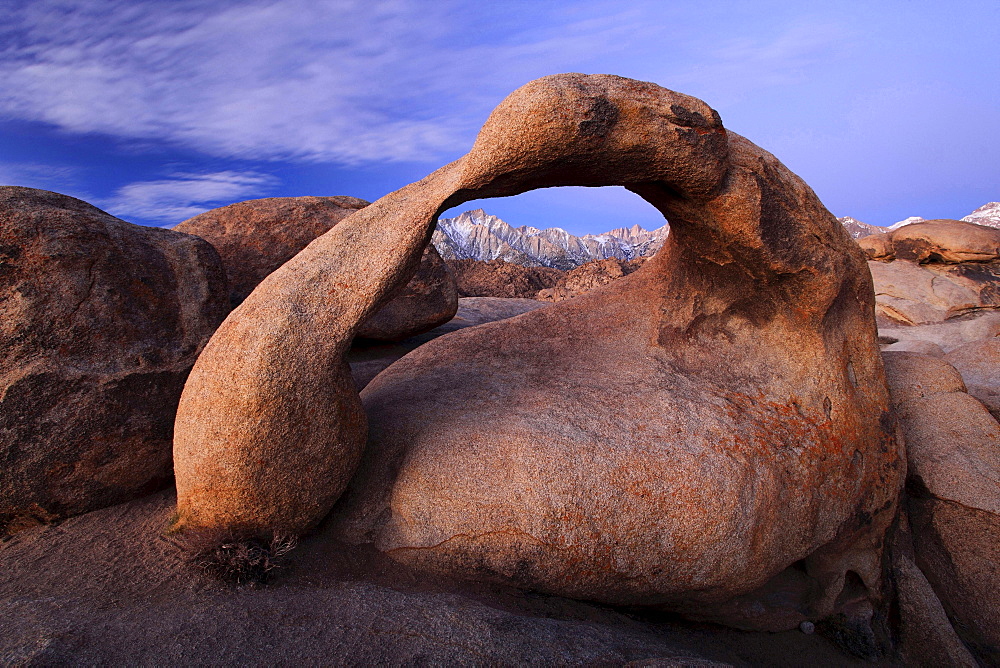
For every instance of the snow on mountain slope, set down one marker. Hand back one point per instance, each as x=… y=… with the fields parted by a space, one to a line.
x=906 y=221
x=477 y=235
x=987 y=214
x=857 y=229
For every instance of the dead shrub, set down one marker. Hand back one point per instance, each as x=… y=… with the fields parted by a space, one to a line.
x=233 y=557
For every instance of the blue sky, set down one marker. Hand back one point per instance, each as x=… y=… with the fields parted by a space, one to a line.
x=158 y=110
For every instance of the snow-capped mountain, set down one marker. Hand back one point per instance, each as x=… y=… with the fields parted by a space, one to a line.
x=987 y=214
x=857 y=229
x=906 y=221
x=477 y=235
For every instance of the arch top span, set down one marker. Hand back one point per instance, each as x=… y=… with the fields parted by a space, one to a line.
x=596 y=130
x=757 y=305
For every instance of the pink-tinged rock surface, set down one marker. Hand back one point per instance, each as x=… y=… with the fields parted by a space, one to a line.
x=367 y=359
x=926 y=635
x=589 y=276
x=914 y=375
x=979 y=364
x=916 y=294
x=257 y=236
x=946 y=241
x=935 y=241
x=428 y=300
x=109 y=588
x=497 y=278
x=934 y=270
x=946 y=335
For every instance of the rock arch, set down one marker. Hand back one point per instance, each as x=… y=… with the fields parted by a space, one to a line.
x=676 y=438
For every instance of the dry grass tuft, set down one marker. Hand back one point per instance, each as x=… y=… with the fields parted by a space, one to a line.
x=235 y=558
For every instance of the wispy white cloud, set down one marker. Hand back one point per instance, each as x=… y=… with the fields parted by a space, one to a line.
x=181 y=196
x=34 y=175
x=362 y=81
x=353 y=81
x=336 y=80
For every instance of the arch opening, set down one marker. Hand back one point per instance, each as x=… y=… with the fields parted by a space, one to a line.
x=723 y=430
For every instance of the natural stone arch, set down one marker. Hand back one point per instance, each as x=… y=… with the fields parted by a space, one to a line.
x=753 y=328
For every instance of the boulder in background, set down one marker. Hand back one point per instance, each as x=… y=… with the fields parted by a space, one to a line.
x=257 y=236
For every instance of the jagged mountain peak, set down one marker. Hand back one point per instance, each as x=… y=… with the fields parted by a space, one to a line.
x=988 y=215
x=478 y=235
x=858 y=229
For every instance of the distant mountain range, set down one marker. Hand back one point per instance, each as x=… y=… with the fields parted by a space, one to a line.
x=476 y=235
x=987 y=214
x=857 y=229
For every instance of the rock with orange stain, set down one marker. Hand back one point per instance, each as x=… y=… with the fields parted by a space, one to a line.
x=101 y=323
x=710 y=434
x=257 y=236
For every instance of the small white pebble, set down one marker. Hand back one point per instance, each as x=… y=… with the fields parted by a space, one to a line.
x=807 y=627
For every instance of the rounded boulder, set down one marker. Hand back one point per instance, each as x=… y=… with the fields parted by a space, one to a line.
x=101 y=322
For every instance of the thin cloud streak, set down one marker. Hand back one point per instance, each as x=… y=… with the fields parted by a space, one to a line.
x=34 y=175
x=182 y=196
x=349 y=81
x=879 y=106
x=264 y=80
